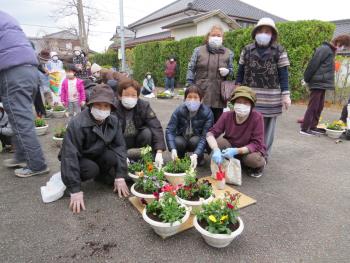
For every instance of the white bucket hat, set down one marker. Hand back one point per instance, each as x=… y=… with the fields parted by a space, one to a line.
x=95 y=68
x=53 y=53
x=266 y=21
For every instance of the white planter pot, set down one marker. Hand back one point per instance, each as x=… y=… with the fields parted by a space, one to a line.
x=41 y=130
x=334 y=134
x=195 y=205
x=218 y=240
x=165 y=229
x=148 y=197
x=58 y=114
x=49 y=113
x=134 y=177
x=58 y=141
x=175 y=179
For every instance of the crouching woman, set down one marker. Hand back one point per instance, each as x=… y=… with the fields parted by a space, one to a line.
x=243 y=130
x=94 y=148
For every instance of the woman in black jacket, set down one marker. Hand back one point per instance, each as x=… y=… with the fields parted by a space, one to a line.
x=94 y=148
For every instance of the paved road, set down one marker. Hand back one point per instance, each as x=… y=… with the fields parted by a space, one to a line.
x=302 y=214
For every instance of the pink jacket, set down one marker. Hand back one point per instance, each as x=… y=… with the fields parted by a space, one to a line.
x=64 y=92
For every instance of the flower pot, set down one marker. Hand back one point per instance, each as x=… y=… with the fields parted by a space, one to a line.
x=58 y=141
x=175 y=179
x=165 y=229
x=58 y=114
x=195 y=205
x=49 y=113
x=41 y=130
x=134 y=177
x=218 y=240
x=148 y=197
x=334 y=134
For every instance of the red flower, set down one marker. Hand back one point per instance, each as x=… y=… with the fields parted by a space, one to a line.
x=230 y=206
x=187 y=188
x=220 y=175
x=143 y=201
x=156 y=195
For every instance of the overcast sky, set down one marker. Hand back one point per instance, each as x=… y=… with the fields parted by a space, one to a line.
x=36 y=19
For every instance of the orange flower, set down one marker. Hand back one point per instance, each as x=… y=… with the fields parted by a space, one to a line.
x=149 y=167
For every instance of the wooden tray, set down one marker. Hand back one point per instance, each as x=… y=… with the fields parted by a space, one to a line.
x=244 y=201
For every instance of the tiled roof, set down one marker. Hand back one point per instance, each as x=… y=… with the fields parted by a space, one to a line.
x=342 y=27
x=234 y=8
x=149 y=38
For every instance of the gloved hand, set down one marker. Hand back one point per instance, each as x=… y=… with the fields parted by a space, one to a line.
x=159 y=160
x=217 y=156
x=194 y=158
x=286 y=102
x=77 y=202
x=230 y=152
x=173 y=154
x=121 y=187
x=224 y=72
x=127 y=161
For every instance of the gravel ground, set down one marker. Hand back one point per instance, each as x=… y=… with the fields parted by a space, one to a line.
x=301 y=215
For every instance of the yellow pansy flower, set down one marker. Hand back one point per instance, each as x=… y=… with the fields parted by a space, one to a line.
x=212 y=218
x=223 y=218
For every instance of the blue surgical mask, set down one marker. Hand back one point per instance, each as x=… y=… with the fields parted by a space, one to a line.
x=192 y=105
x=263 y=39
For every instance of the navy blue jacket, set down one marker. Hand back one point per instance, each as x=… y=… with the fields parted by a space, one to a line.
x=180 y=120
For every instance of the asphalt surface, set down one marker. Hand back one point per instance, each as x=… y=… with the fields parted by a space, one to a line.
x=302 y=211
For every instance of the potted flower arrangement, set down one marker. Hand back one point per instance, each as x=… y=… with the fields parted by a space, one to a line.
x=218 y=221
x=40 y=126
x=144 y=164
x=335 y=129
x=148 y=183
x=194 y=193
x=165 y=215
x=58 y=111
x=175 y=171
x=164 y=95
x=48 y=109
x=59 y=135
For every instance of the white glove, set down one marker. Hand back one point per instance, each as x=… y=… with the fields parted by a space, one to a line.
x=127 y=161
x=224 y=72
x=194 y=158
x=121 y=187
x=77 y=202
x=286 y=102
x=303 y=83
x=173 y=154
x=159 y=159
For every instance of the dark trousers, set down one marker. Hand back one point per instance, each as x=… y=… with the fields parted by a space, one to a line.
x=38 y=104
x=344 y=113
x=184 y=145
x=142 y=139
x=217 y=113
x=314 y=109
x=5 y=140
x=17 y=86
x=103 y=168
x=169 y=83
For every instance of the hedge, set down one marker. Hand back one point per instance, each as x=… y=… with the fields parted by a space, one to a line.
x=108 y=59
x=299 y=38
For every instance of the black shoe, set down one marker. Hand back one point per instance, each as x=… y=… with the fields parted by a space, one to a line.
x=318 y=131
x=307 y=133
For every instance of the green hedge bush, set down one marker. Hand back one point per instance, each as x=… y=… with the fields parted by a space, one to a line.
x=108 y=59
x=299 y=38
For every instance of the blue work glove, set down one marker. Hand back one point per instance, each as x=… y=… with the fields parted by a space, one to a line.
x=230 y=152
x=217 y=156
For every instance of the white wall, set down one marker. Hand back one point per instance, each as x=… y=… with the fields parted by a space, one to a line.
x=204 y=26
x=181 y=33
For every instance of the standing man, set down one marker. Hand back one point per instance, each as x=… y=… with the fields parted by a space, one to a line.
x=19 y=80
x=170 y=74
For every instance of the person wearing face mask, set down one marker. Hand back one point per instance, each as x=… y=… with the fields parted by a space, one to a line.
x=243 y=129
x=73 y=92
x=94 y=148
x=140 y=124
x=54 y=64
x=263 y=66
x=319 y=77
x=170 y=72
x=148 y=88
x=211 y=64
x=188 y=126
x=96 y=71
x=80 y=61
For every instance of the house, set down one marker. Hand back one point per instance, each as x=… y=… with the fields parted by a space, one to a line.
x=182 y=18
x=128 y=35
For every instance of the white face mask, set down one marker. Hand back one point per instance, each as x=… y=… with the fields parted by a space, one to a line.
x=215 y=42
x=263 y=39
x=77 y=53
x=54 y=58
x=129 y=102
x=241 y=110
x=172 y=60
x=100 y=115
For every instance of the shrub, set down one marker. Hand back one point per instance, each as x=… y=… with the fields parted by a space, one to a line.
x=108 y=59
x=39 y=122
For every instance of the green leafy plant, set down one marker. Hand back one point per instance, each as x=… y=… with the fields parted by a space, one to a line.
x=164 y=95
x=178 y=165
x=59 y=108
x=60 y=132
x=39 y=122
x=145 y=163
x=166 y=209
x=150 y=182
x=48 y=107
x=193 y=189
x=106 y=60
x=336 y=125
x=220 y=216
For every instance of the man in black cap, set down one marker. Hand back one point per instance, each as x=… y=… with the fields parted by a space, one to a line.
x=94 y=148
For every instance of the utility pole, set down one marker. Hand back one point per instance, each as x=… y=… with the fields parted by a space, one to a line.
x=82 y=30
x=122 y=33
